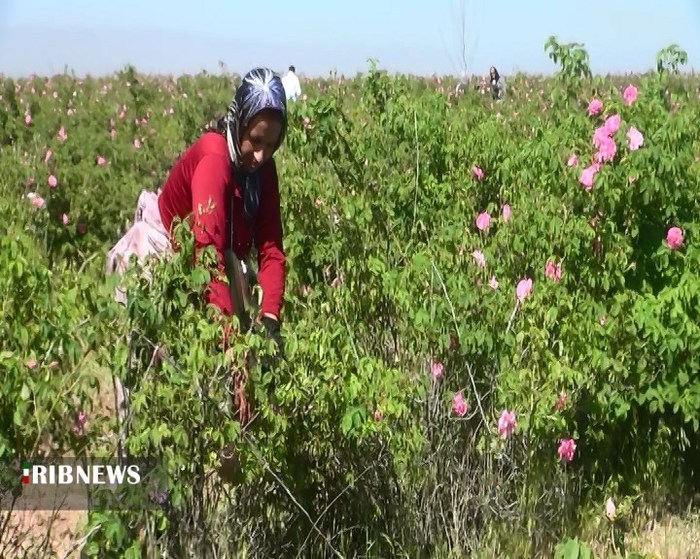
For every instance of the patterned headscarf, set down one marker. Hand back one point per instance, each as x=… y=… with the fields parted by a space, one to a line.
x=260 y=89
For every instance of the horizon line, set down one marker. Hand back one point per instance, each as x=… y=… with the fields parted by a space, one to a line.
x=691 y=72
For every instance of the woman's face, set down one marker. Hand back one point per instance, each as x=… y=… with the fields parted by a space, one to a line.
x=493 y=72
x=259 y=140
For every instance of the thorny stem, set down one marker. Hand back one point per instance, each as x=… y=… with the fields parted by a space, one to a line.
x=265 y=465
x=330 y=505
x=512 y=315
x=459 y=336
x=415 y=196
x=82 y=541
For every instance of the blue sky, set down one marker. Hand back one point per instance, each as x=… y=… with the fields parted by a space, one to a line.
x=414 y=36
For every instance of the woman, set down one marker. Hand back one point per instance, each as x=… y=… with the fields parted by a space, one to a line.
x=226 y=184
x=496 y=84
x=227 y=181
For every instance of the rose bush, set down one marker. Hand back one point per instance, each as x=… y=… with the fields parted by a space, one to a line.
x=491 y=311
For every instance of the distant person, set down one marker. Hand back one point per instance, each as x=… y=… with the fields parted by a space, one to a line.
x=497 y=86
x=462 y=85
x=290 y=81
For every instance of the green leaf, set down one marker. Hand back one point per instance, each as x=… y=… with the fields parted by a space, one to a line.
x=25 y=393
x=346 y=423
x=352 y=419
x=420 y=262
x=375 y=265
x=621 y=409
x=92 y=549
x=199 y=277
x=571 y=549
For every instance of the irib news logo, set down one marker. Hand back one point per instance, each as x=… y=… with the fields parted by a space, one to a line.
x=83 y=483
x=69 y=474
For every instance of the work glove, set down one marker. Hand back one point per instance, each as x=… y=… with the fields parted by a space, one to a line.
x=272 y=329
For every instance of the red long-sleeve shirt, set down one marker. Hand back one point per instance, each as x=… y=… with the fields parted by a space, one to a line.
x=200 y=184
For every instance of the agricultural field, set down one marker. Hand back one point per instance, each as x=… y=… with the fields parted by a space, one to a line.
x=492 y=318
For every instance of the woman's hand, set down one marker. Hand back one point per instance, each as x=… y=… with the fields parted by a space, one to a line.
x=272 y=327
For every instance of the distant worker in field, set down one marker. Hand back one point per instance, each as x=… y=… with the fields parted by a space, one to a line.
x=291 y=84
x=497 y=86
x=226 y=185
x=462 y=84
